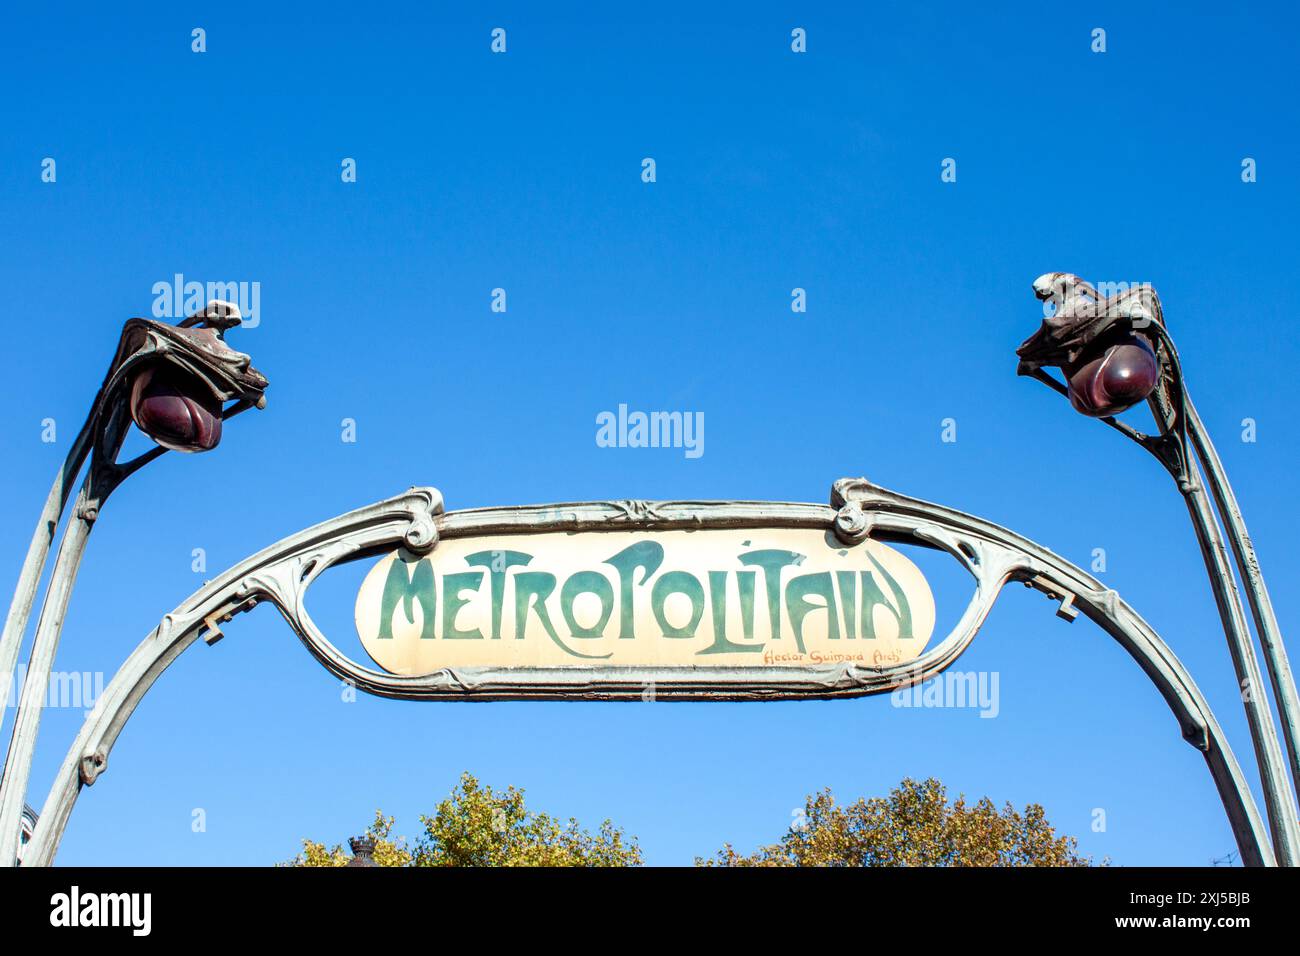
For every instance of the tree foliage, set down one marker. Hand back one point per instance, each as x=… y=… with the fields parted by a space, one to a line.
x=914 y=826
x=479 y=826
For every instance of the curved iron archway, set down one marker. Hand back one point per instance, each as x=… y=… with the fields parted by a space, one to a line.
x=994 y=556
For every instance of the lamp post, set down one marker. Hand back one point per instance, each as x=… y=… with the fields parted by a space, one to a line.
x=1115 y=352
x=177 y=384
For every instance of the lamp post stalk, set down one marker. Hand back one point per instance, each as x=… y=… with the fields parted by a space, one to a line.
x=1181 y=428
x=1261 y=606
x=1115 y=352
x=98 y=485
x=1278 y=801
x=1171 y=453
x=174 y=383
x=29 y=577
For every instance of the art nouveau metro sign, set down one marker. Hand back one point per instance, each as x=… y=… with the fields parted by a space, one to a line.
x=751 y=599
x=606 y=600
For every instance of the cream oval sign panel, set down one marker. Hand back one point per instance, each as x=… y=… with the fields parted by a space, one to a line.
x=656 y=599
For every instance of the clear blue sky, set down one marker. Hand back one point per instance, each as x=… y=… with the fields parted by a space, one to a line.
x=522 y=171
